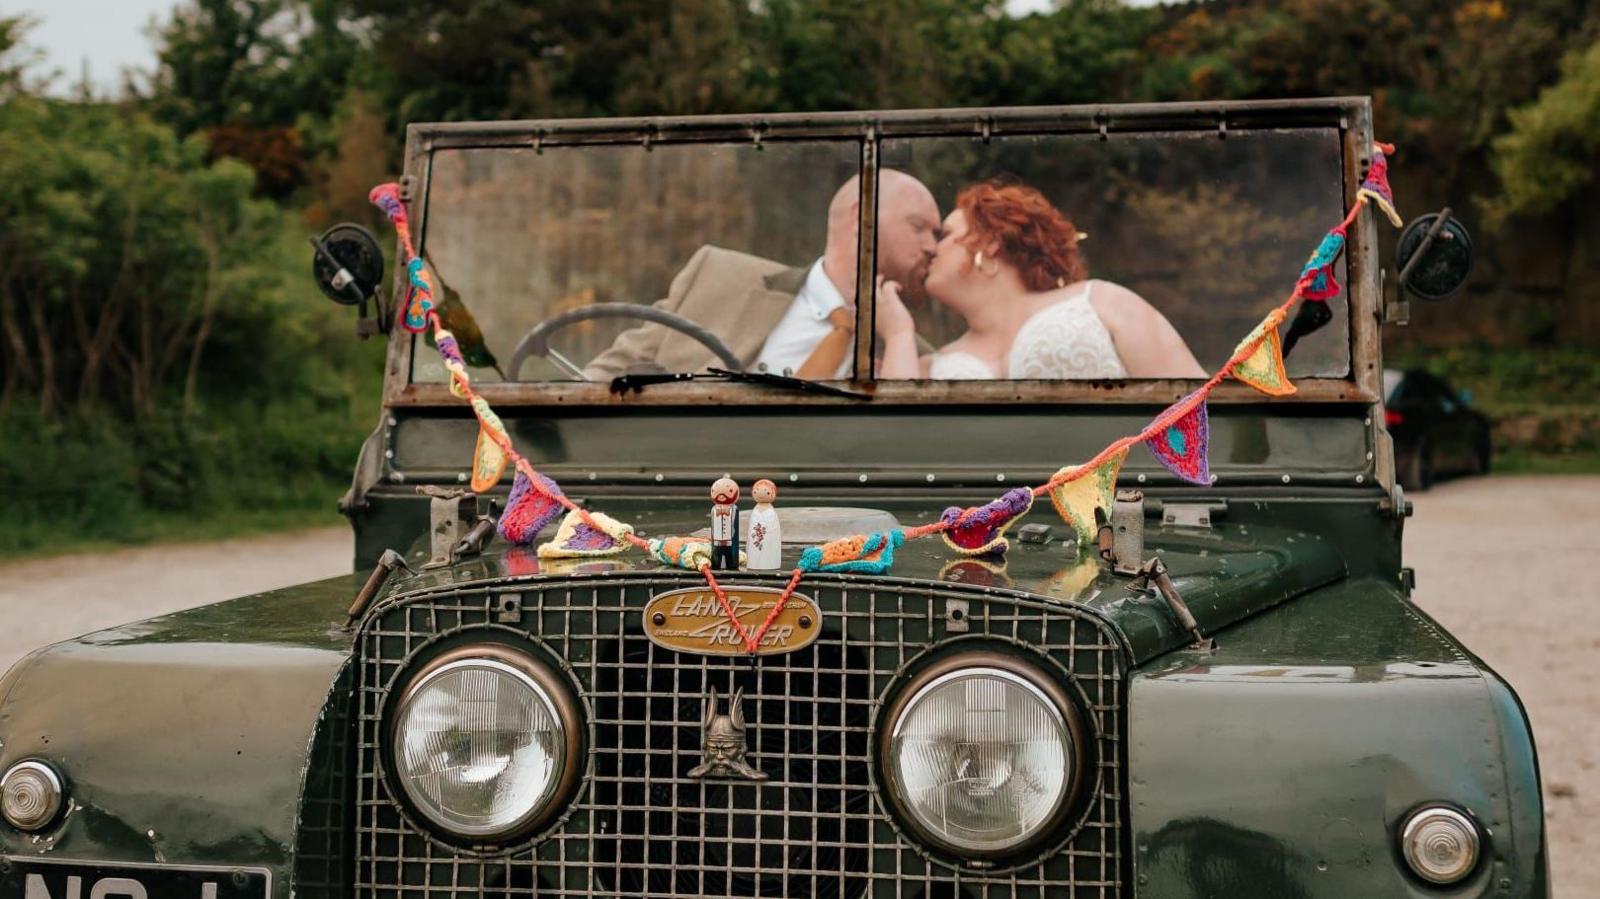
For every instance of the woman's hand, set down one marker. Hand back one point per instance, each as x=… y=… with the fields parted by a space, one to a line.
x=897 y=333
x=892 y=318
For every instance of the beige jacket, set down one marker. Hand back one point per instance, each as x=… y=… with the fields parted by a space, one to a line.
x=736 y=296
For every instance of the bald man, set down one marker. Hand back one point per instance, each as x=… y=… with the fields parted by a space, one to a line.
x=780 y=319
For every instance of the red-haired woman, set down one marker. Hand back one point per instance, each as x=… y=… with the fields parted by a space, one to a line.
x=1008 y=263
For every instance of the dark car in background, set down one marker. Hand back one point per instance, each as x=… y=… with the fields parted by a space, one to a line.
x=1435 y=429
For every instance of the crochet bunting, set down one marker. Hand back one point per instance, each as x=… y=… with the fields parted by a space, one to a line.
x=577 y=539
x=488 y=462
x=529 y=511
x=1183 y=444
x=420 y=304
x=982 y=529
x=862 y=554
x=1263 y=368
x=1085 y=490
x=489 y=456
x=1376 y=186
x=1317 y=281
x=681 y=552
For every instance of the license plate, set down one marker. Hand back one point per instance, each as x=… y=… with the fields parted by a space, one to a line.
x=32 y=878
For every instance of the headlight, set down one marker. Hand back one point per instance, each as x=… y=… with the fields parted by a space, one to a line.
x=982 y=754
x=485 y=742
x=30 y=795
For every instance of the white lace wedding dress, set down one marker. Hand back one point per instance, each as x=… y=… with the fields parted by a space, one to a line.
x=1062 y=341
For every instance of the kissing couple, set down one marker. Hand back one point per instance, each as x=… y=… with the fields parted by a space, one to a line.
x=1007 y=262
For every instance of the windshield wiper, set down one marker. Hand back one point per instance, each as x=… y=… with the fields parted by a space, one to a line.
x=761 y=377
x=638 y=382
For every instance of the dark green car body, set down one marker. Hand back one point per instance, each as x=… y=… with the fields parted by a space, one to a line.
x=1277 y=761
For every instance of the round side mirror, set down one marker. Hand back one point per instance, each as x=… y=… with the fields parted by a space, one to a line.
x=1434 y=256
x=347 y=264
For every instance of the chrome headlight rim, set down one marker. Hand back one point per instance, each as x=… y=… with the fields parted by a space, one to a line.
x=1042 y=676
x=53 y=780
x=526 y=663
x=1413 y=820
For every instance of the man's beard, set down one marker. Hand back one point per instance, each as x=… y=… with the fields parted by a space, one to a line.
x=914 y=284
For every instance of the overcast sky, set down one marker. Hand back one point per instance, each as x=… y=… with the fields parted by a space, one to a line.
x=109 y=35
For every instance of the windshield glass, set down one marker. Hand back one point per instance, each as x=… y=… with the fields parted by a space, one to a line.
x=719 y=237
x=1048 y=257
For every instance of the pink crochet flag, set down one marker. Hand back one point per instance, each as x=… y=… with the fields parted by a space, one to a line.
x=982 y=529
x=1182 y=445
x=529 y=510
x=1376 y=186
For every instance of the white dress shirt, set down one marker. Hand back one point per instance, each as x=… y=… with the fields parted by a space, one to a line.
x=803 y=326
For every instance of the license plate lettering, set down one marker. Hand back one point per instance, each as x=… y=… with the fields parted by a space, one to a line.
x=35 y=879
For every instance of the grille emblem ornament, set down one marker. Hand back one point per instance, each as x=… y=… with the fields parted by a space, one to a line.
x=694 y=621
x=722 y=743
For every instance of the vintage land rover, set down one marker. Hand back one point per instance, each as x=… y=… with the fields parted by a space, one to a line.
x=1190 y=669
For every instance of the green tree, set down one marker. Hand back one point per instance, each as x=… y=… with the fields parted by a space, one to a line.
x=1549 y=155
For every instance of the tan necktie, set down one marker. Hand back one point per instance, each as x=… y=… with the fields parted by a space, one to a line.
x=824 y=361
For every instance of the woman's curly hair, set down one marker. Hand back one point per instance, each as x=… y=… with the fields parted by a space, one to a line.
x=1033 y=235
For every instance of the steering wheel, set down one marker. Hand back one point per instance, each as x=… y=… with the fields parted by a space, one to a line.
x=537 y=341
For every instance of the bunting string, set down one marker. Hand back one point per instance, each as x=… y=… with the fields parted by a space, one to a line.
x=1177 y=437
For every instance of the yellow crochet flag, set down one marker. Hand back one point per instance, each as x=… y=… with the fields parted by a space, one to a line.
x=1263 y=368
x=576 y=539
x=1078 y=498
x=488 y=462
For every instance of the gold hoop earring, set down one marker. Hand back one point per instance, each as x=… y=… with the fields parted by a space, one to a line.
x=977 y=263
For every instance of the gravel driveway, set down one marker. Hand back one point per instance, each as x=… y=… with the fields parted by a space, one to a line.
x=1477 y=546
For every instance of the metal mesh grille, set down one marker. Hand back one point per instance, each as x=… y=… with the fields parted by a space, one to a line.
x=639 y=827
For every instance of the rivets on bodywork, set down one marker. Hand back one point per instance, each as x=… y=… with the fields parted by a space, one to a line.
x=862 y=478
x=1213 y=479
x=392 y=422
x=1360 y=479
x=1000 y=477
x=593 y=476
x=1286 y=479
x=1141 y=479
x=930 y=478
x=461 y=477
x=1369 y=456
x=388 y=454
x=660 y=478
x=793 y=478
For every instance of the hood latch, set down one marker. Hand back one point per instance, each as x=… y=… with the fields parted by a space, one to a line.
x=1154 y=574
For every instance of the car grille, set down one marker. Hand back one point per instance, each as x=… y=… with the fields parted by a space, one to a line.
x=817 y=828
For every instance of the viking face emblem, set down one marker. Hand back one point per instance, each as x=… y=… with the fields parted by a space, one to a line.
x=722 y=746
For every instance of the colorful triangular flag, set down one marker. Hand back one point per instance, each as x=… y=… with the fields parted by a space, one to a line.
x=529 y=510
x=1316 y=279
x=1080 y=492
x=681 y=552
x=1183 y=444
x=488 y=462
x=982 y=529
x=1263 y=368
x=862 y=554
x=577 y=538
x=1376 y=186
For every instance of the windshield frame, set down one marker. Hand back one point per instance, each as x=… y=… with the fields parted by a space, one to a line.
x=1352 y=116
